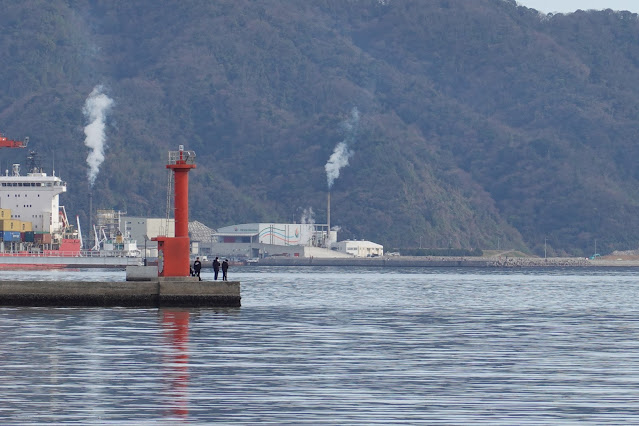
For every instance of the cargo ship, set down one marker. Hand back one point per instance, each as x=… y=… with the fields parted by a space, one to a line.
x=34 y=228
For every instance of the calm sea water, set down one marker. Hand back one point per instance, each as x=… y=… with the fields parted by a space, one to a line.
x=337 y=346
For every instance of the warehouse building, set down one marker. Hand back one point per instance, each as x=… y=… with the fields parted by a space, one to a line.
x=143 y=229
x=256 y=240
x=252 y=240
x=360 y=248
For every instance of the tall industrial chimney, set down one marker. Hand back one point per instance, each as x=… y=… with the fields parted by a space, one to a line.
x=328 y=219
x=91 y=219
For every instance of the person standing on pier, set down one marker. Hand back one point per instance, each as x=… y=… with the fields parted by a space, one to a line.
x=216 y=267
x=225 y=267
x=197 y=265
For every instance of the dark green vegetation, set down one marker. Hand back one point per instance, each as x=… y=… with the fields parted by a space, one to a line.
x=483 y=124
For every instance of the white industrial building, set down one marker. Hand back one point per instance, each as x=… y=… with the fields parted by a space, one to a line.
x=143 y=229
x=151 y=227
x=360 y=248
x=252 y=240
x=255 y=240
x=282 y=234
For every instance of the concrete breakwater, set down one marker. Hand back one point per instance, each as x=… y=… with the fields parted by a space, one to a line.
x=434 y=261
x=374 y=261
x=176 y=292
x=531 y=262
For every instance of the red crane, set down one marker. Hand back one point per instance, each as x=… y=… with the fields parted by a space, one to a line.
x=8 y=143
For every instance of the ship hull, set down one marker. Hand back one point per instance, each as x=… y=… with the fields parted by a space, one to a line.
x=60 y=262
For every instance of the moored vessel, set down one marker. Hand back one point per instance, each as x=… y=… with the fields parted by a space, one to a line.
x=35 y=230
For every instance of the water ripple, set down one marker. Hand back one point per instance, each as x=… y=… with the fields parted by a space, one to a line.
x=338 y=346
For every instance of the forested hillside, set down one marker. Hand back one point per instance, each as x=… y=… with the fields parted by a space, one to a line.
x=469 y=124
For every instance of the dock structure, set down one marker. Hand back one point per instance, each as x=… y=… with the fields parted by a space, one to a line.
x=159 y=292
x=169 y=284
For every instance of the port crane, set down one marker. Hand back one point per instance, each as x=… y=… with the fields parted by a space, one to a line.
x=8 y=143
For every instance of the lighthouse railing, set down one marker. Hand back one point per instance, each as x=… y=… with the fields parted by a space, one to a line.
x=181 y=157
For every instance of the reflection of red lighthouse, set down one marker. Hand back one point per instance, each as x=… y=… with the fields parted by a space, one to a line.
x=176 y=328
x=173 y=253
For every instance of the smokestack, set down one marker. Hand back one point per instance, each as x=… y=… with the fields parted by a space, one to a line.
x=328 y=217
x=91 y=216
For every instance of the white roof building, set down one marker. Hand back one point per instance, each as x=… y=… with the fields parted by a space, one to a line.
x=281 y=234
x=145 y=228
x=360 y=248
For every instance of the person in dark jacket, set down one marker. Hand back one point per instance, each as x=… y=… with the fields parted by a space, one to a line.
x=225 y=267
x=197 y=265
x=216 y=267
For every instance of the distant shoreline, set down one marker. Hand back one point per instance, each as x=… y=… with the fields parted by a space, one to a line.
x=439 y=261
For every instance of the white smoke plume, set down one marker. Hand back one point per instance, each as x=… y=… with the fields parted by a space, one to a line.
x=95 y=110
x=336 y=162
x=342 y=152
x=308 y=216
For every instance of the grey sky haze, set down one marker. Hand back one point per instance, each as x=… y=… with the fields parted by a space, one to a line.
x=565 y=6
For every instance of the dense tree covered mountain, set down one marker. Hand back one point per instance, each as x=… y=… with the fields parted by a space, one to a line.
x=469 y=124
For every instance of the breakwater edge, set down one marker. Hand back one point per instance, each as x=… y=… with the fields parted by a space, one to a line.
x=452 y=261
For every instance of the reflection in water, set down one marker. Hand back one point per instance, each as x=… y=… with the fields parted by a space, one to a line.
x=338 y=346
x=175 y=325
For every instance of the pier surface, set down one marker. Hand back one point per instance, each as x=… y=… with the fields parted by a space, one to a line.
x=160 y=292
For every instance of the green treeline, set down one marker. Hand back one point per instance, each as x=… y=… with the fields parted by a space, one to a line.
x=482 y=123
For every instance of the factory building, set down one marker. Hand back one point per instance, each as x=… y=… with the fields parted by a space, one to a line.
x=143 y=229
x=281 y=234
x=255 y=240
x=252 y=240
x=360 y=248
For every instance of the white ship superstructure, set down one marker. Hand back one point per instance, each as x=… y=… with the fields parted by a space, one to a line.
x=34 y=228
x=33 y=198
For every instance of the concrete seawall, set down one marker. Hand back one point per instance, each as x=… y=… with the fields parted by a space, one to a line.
x=376 y=261
x=433 y=261
x=177 y=292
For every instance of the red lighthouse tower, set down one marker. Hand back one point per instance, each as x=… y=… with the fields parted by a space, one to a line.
x=173 y=252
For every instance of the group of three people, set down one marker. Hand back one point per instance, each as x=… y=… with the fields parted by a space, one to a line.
x=197 y=266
